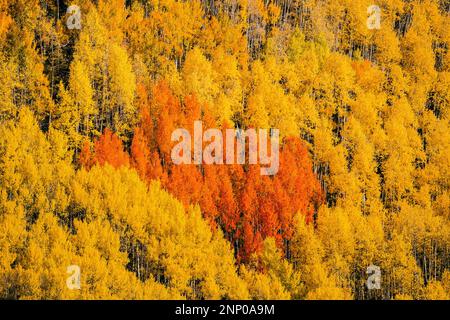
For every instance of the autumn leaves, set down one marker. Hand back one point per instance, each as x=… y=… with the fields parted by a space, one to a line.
x=248 y=207
x=235 y=142
x=87 y=175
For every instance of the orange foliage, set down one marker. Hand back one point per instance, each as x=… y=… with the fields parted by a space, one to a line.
x=107 y=149
x=86 y=158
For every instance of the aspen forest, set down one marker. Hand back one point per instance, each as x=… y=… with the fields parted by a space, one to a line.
x=86 y=177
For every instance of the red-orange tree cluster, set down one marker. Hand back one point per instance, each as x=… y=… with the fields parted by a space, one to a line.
x=246 y=205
